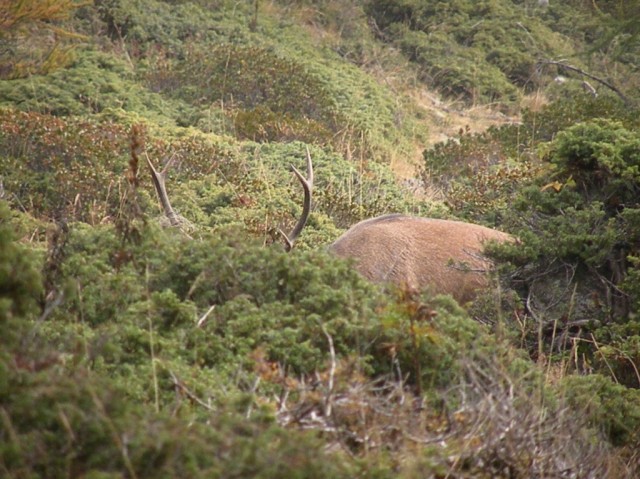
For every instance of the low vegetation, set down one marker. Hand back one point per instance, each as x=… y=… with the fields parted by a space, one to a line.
x=130 y=348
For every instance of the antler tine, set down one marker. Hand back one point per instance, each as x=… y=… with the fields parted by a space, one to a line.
x=159 y=178
x=307 y=186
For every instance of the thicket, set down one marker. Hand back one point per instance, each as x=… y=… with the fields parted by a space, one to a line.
x=132 y=349
x=484 y=52
x=56 y=168
x=565 y=182
x=63 y=417
x=202 y=65
x=475 y=51
x=137 y=330
x=166 y=355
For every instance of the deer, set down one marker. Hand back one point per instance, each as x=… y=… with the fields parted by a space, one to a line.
x=439 y=255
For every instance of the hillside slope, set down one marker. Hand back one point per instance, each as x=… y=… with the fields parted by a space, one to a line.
x=139 y=344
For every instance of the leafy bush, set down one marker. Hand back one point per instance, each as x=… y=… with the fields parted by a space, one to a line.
x=130 y=349
x=57 y=167
x=609 y=407
x=98 y=432
x=603 y=158
x=567 y=110
x=463 y=79
x=152 y=24
x=20 y=280
x=578 y=231
x=479 y=173
x=95 y=83
x=226 y=336
x=572 y=202
x=469 y=50
x=268 y=97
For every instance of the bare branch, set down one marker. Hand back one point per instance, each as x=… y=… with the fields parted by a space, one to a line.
x=561 y=64
x=180 y=386
x=332 y=372
x=204 y=317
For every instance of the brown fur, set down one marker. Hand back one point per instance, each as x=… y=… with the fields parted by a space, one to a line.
x=442 y=256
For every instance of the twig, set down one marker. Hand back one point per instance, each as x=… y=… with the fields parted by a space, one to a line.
x=604 y=358
x=560 y=64
x=578 y=323
x=51 y=305
x=154 y=370
x=180 y=385
x=49 y=308
x=254 y=388
x=332 y=372
x=204 y=317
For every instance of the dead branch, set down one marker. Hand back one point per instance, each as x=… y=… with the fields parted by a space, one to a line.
x=607 y=84
x=204 y=317
x=332 y=373
x=180 y=386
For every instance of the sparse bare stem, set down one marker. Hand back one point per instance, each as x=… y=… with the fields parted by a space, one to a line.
x=183 y=388
x=332 y=372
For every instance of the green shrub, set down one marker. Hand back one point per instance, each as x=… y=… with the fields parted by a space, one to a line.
x=20 y=279
x=572 y=202
x=577 y=229
x=480 y=173
x=603 y=158
x=469 y=50
x=610 y=408
x=467 y=78
x=59 y=167
x=270 y=97
x=94 y=83
x=568 y=110
x=97 y=432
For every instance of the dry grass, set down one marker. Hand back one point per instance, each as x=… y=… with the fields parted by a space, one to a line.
x=490 y=425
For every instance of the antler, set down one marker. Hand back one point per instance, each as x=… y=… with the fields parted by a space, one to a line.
x=159 y=183
x=307 y=185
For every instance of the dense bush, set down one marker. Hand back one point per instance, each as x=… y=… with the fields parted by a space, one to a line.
x=20 y=280
x=566 y=185
x=585 y=208
x=479 y=173
x=129 y=348
x=475 y=51
x=55 y=169
x=228 y=337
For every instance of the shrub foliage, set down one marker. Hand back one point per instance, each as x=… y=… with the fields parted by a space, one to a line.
x=129 y=348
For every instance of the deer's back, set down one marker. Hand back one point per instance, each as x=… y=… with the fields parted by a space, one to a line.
x=421 y=253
